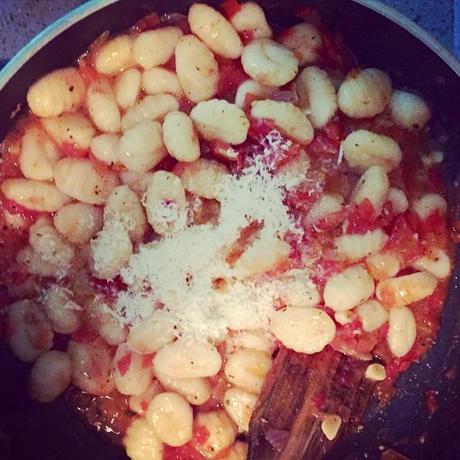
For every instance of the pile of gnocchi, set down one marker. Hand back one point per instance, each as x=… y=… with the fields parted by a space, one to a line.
x=131 y=145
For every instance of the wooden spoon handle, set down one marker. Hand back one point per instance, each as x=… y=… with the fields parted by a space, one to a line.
x=300 y=390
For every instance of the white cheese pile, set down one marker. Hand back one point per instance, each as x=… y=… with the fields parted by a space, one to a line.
x=173 y=278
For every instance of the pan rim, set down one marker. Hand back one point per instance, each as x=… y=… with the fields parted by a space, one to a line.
x=92 y=6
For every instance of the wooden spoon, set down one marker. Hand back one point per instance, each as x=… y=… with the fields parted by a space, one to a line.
x=299 y=392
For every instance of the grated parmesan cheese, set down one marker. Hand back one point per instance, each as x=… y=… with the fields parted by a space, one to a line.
x=173 y=279
x=111 y=249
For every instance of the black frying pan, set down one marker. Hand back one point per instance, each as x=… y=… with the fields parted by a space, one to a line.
x=378 y=37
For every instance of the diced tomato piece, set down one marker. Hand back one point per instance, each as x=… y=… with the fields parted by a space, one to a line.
x=16 y=209
x=151 y=21
x=72 y=150
x=260 y=128
x=144 y=405
x=9 y=166
x=200 y=434
x=147 y=360
x=324 y=269
x=124 y=363
x=247 y=36
x=231 y=75
x=100 y=166
x=361 y=218
x=323 y=145
x=332 y=220
x=431 y=401
x=86 y=70
x=352 y=340
x=404 y=241
x=185 y=105
x=219 y=386
x=230 y=8
x=334 y=52
x=387 y=216
x=307 y=13
x=185 y=452
x=109 y=288
x=249 y=99
x=334 y=130
x=223 y=150
x=167 y=164
x=433 y=223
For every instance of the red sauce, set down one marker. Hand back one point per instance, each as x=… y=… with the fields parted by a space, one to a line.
x=230 y=8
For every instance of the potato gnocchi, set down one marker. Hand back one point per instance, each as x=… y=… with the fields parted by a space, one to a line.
x=195 y=195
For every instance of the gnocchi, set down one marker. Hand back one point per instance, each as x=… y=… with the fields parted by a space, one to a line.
x=218 y=119
x=247 y=368
x=180 y=137
x=196 y=68
x=317 y=95
x=409 y=110
x=221 y=429
x=195 y=390
x=156 y=47
x=406 y=289
x=251 y=18
x=78 y=222
x=131 y=374
x=218 y=34
x=50 y=376
x=356 y=247
x=150 y=336
x=70 y=129
x=105 y=148
x=124 y=205
x=62 y=312
x=287 y=117
x=29 y=332
x=38 y=155
x=305 y=41
x=348 y=288
x=114 y=55
x=152 y=107
x=103 y=107
x=402 y=331
x=35 y=195
x=57 y=92
x=428 y=204
x=363 y=149
x=165 y=203
x=305 y=330
x=239 y=405
x=141 y=442
x=269 y=63
x=374 y=186
x=172 y=418
x=159 y=80
x=202 y=177
x=92 y=366
x=79 y=179
x=364 y=93
x=372 y=314
x=127 y=87
x=187 y=360
x=141 y=147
